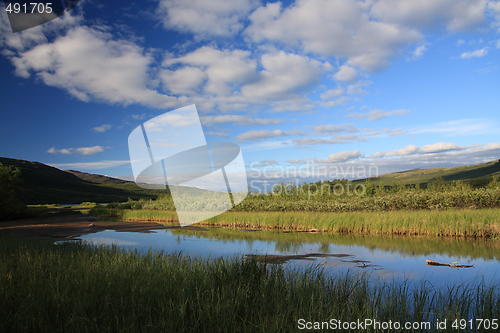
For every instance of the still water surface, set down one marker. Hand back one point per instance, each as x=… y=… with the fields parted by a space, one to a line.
x=382 y=257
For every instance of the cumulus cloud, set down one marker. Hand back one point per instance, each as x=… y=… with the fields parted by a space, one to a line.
x=441 y=147
x=343 y=29
x=346 y=73
x=217 y=70
x=89 y=63
x=408 y=150
x=284 y=74
x=102 y=128
x=80 y=151
x=205 y=18
x=341 y=157
x=236 y=119
x=475 y=54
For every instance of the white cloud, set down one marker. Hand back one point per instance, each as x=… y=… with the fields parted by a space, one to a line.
x=498 y=44
x=408 y=150
x=205 y=18
x=332 y=93
x=221 y=69
x=330 y=129
x=317 y=141
x=350 y=167
x=454 y=15
x=379 y=114
x=343 y=29
x=357 y=88
x=258 y=135
x=395 y=132
x=342 y=157
x=53 y=150
x=475 y=54
x=376 y=114
x=102 y=128
x=284 y=74
x=89 y=150
x=263 y=163
x=441 y=147
x=88 y=63
x=346 y=73
x=183 y=81
x=219 y=134
x=240 y=120
x=460 y=42
x=419 y=51
x=81 y=151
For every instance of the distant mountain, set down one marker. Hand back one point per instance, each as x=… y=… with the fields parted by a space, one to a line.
x=43 y=184
x=477 y=175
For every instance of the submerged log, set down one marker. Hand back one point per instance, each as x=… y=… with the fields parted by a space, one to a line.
x=453 y=264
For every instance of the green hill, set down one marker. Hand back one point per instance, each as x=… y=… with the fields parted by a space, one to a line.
x=476 y=175
x=43 y=184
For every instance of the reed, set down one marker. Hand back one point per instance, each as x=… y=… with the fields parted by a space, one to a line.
x=469 y=223
x=80 y=288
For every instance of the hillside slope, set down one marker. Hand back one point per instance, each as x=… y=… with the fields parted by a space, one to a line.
x=43 y=184
x=476 y=175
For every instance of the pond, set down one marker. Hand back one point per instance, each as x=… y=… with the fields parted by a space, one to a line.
x=383 y=257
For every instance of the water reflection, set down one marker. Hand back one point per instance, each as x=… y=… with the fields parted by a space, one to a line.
x=385 y=257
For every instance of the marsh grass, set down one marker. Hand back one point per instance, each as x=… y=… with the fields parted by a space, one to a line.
x=75 y=287
x=470 y=223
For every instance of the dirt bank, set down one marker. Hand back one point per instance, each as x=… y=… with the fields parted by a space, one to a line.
x=70 y=227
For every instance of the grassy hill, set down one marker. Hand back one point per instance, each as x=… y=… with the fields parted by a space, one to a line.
x=43 y=184
x=476 y=175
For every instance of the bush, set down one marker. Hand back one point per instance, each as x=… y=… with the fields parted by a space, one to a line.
x=10 y=185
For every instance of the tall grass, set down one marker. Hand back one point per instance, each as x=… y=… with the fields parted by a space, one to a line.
x=471 y=223
x=80 y=288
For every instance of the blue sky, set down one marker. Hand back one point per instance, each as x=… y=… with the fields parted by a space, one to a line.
x=309 y=89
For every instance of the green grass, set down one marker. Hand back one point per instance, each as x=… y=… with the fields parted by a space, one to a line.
x=477 y=175
x=472 y=223
x=80 y=288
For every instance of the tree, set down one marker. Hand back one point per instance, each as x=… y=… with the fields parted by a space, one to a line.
x=10 y=185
